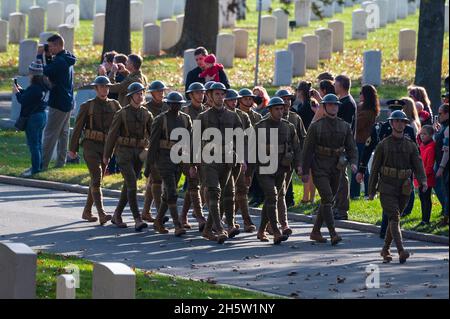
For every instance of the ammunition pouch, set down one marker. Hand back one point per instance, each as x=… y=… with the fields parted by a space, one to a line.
x=132 y=142
x=96 y=136
x=403 y=174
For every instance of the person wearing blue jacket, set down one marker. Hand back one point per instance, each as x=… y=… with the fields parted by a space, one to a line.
x=58 y=68
x=33 y=107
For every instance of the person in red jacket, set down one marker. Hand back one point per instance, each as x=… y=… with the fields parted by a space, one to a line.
x=427 y=151
x=212 y=70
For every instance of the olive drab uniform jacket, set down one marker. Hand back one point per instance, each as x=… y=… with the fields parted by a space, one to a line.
x=394 y=162
x=131 y=128
x=156 y=108
x=296 y=120
x=122 y=87
x=326 y=141
x=93 y=122
x=192 y=111
x=289 y=148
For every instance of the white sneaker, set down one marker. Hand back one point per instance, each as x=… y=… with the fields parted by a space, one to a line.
x=27 y=173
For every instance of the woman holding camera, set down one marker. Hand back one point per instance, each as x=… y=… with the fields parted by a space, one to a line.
x=33 y=114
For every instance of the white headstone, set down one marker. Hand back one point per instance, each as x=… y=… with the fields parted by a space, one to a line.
x=17 y=23
x=100 y=6
x=265 y=5
x=328 y=10
x=168 y=33
x=349 y=3
x=81 y=97
x=373 y=15
x=241 y=43
x=27 y=54
x=43 y=3
x=268 y=29
x=44 y=36
x=392 y=13
x=189 y=62
x=372 y=68
x=402 y=9
x=55 y=15
x=165 y=9
x=36 y=22
x=17 y=271
x=298 y=50
x=359 y=27
x=150 y=9
x=312 y=50
x=282 y=23
x=284 y=62
x=180 y=21
x=319 y=5
x=383 y=5
x=87 y=9
x=8 y=7
x=338 y=35
x=136 y=16
x=407 y=45
x=99 y=28
x=25 y=5
x=227 y=19
x=178 y=6
x=3 y=36
x=338 y=8
x=325 y=43
x=225 y=47
x=412 y=7
x=113 y=281
x=67 y=31
x=71 y=12
x=65 y=287
x=302 y=13
x=152 y=39
x=418 y=4
x=446 y=18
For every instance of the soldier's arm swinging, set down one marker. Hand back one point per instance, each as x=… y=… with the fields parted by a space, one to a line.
x=80 y=124
x=374 y=175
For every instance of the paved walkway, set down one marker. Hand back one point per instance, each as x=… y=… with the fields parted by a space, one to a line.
x=50 y=220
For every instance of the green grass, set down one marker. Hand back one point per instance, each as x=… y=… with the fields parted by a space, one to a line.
x=396 y=75
x=14 y=159
x=149 y=285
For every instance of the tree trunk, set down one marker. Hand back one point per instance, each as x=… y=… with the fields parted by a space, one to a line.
x=117 y=27
x=430 y=49
x=201 y=26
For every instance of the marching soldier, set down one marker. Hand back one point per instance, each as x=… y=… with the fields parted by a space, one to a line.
x=159 y=157
x=93 y=121
x=236 y=190
x=133 y=69
x=289 y=154
x=208 y=101
x=196 y=93
x=328 y=147
x=216 y=174
x=153 y=188
x=288 y=194
x=396 y=159
x=380 y=131
x=246 y=101
x=128 y=137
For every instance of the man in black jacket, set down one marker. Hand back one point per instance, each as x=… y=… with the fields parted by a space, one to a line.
x=193 y=75
x=347 y=112
x=58 y=67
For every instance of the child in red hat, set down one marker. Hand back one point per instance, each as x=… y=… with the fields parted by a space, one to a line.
x=211 y=73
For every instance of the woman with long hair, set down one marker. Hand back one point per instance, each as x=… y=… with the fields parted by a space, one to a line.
x=367 y=113
x=325 y=87
x=419 y=94
x=261 y=100
x=411 y=112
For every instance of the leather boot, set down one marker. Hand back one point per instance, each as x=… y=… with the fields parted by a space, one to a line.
x=87 y=212
x=242 y=204
x=159 y=227
x=104 y=218
x=147 y=217
x=139 y=224
x=403 y=255
x=208 y=234
x=179 y=230
x=233 y=231
x=335 y=238
x=316 y=235
x=87 y=215
x=386 y=254
x=261 y=235
x=117 y=220
x=278 y=237
x=184 y=212
x=286 y=230
x=222 y=236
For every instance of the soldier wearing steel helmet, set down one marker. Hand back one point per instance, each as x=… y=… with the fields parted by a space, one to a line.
x=128 y=137
x=159 y=156
x=153 y=187
x=395 y=161
x=236 y=190
x=328 y=147
x=216 y=174
x=93 y=122
x=208 y=101
x=287 y=197
x=288 y=156
x=246 y=102
x=196 y=93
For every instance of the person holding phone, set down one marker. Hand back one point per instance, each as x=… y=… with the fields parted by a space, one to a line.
x=33 y=110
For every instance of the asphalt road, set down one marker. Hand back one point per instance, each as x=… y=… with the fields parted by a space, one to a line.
x=50 y=220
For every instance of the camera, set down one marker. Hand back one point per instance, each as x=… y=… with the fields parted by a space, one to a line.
x=15 y=82
x=46 y=48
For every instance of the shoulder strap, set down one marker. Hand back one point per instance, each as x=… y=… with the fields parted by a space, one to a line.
x=125 y=124
x=91 y=114
x=165 y=128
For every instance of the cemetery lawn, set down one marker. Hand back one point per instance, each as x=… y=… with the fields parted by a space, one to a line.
x=15 y=158
x=396 y=75
x=149 y=285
